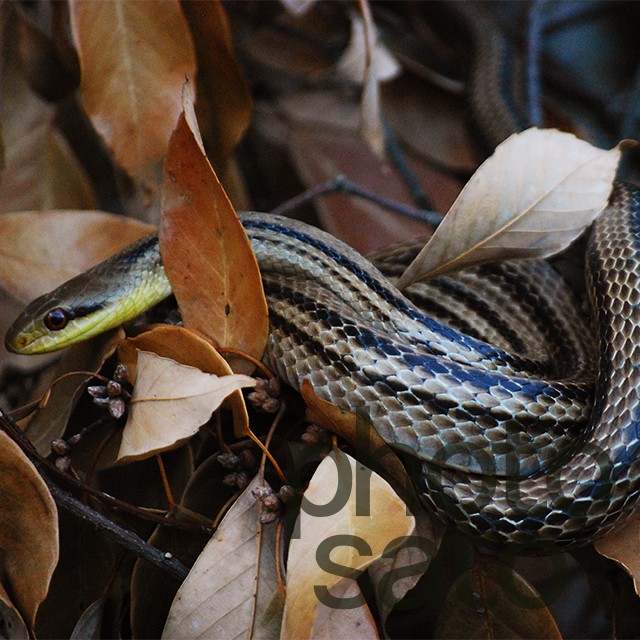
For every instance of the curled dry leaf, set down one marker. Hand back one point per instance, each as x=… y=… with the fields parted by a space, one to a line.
x=233 y=586
x=207 y=255
x=170 y=403
x=28 y=531
x=185 y=347
x=331 y=529
x=368 y=61
x=533 y=197
x=622 y=546
x=53 y=246
x=366 y=48
x=134 y=57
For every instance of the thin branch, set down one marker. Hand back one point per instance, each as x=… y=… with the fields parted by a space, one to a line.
x=125 y=538
x=340 y=184
x=397 y=157
x=68 y=502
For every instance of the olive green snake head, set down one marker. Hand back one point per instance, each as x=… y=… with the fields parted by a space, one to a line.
x=108 y=295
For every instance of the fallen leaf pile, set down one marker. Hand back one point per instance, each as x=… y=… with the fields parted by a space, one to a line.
x=159 y=480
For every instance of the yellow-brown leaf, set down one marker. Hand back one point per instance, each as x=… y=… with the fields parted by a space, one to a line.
x=224 y=101
x=170 y=403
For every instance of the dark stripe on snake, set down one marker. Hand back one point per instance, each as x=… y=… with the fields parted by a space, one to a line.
x=488 y=351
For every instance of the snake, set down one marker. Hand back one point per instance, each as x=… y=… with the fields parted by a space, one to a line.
x=520 y=408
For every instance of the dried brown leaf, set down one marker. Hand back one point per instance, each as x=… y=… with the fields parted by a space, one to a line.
x=533 y=197
x=491 y=600
x=221 y=596
x=185 y=347
x=170 y=403
x=207 y=255
x=361 y=539
x=622 y=545
x=28 y=530
x=53 y=246
x=65 y=184
x=134 y=57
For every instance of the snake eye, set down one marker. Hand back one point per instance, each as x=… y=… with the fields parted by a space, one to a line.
x=56 y=319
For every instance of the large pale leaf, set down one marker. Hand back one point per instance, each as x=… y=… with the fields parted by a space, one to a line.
x=533 y=197
x=170 y=403
x=53 y=246
x=207 y=255
x=225 y=592
x=134 y=57
x=185 y=347
x=367 y=523
x=28 y=530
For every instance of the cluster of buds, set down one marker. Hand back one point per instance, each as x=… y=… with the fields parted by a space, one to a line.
x=266 y=395
x=61 y=449
x=240 y=464
x=272 y=501
x=315 y=434
x=113 y=394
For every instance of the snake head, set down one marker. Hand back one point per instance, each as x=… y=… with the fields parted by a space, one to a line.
x=50 y=323
x=111 y=293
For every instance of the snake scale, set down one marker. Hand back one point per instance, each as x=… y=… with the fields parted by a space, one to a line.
x=527 y=433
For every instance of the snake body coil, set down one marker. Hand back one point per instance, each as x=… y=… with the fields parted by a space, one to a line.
x=491 y=386
x=508 y=449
